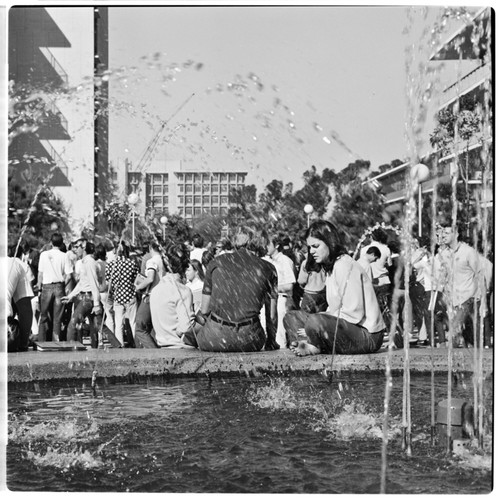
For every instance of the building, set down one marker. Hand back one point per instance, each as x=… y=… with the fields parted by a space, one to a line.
x=51 y=55
x=467 y=156
x=178 y=187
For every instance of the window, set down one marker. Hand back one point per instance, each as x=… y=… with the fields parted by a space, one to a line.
x=223 y=211
x=197 y=177
x=165 y=188
x=215 y=211
x=223 y=200
x=165 y=201
x=215 y=200
x=223 y=177
x=189 y=211
x=181 y=188
x=189 y=188
x=223 y=188
x=206 y=188
x=232 y=177
x=197 y=200
x=197 y=211
x=206 y=210
x=197 y=188
x=241 y=178
x=180 y=200
x=157 y=201
x=206 y=200
x=157 y=179
x=215 y=177
x=189 y=200
x=181 y=211
x=189 y=177
x=157 y=190
x=215 y=188
x=206 y=177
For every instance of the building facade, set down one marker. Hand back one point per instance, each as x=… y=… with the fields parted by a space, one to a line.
x=51 y=56
x=468 y=156
x=177 y=187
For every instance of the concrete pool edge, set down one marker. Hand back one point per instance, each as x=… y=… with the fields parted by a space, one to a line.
x=34 y=366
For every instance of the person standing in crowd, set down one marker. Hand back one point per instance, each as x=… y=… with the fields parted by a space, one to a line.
x=382 y=282
x=353 y=323
x=417 y=286
x=89 y=299
x=366 y=260
x=19 y=310
x=463 y=286
x=237 y=285
x=286 y=280
x=171 y=302
x=100 y=257
x=198 y=248
x=154 y=271
x=195 y=276
x=121 y=274
x=54 y=272
x=223 y=246
x=312 y=279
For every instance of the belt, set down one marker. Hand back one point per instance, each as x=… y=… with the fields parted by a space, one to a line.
x=233 y=323
x=54 y=283
x=86 y=294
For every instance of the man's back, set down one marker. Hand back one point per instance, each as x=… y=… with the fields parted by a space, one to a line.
x=238 y=283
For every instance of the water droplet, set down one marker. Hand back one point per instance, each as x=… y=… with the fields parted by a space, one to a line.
x=328 y=141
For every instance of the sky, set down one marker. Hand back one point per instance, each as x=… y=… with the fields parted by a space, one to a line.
x=268 y=90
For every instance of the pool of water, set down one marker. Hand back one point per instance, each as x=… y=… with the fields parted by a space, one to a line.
x=267 y=435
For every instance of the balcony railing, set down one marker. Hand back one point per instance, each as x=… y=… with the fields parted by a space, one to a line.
x=56 y=157
x=55 y=64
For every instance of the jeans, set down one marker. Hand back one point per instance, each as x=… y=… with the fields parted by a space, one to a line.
x=320 y=330
x=51 y=312
x=83 y=309
x=440 y=317
x=314 y=302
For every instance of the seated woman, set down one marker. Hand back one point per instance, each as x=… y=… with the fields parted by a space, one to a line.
x=171 y=302
x=195 y=276
x=352 y=324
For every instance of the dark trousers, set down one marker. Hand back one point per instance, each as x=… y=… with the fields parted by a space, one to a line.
x=440 y=317
x=83 y=309
x=323 y=330
x=24 y=315
x=145 y=336
x=216 y=337
x=418 y=303
x=463 y=321
x=51 y=312
x=314 y=302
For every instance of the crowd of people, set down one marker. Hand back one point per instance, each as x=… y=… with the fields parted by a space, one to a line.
x=257 y=291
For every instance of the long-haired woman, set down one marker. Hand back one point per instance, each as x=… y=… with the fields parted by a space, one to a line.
x=352 y=324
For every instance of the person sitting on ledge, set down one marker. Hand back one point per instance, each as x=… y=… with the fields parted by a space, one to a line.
x=237 y=285
x=352 y=324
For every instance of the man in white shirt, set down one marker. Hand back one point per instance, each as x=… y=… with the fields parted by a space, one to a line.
x=54 y=271
x=198 y=250
x=19 y=294
x=155 y=270
x=380 y=272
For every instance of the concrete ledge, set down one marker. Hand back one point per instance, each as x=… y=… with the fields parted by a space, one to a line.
x=129 y=363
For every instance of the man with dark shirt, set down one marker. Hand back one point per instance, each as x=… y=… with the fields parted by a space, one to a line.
x=237 y=285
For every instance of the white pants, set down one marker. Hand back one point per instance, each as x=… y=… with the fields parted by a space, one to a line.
x=124 y=311
x=280 y=334
x=108 y=311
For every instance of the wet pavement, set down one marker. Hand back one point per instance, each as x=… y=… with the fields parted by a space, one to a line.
x=126 y=364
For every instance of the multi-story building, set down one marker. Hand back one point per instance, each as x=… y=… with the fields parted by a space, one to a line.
x=472 y=157
x=178 y=187
x=51 y=55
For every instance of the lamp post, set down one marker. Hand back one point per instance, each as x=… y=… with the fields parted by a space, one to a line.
x=419 y=174
x=133 y=199
x=308 y=209
x=164 y=221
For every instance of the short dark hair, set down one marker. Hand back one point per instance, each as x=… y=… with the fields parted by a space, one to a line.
x=57 y=240
x=89 y=248
x=123 y=249
x=375 y=252
x=198 y=241
x=176 y=257
x=100 y=252
x=379 y=235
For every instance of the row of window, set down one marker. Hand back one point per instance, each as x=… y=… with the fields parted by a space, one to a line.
x=197 y=211
x=205 y=200
x=206 y=188
x=220 y=177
